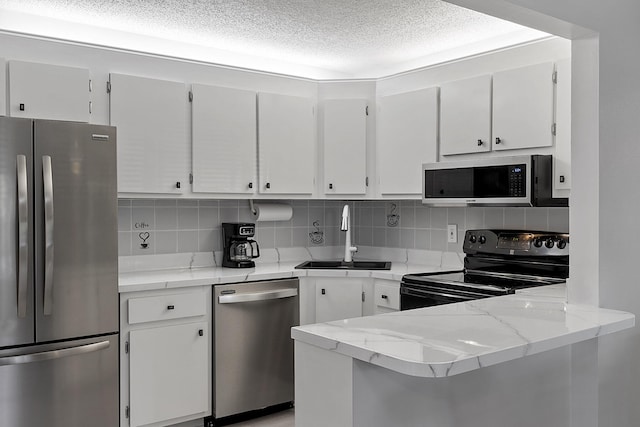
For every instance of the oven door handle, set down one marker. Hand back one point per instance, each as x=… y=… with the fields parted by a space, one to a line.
x=423 y=293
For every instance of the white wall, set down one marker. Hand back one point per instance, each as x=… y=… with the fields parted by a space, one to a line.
x=610 y=213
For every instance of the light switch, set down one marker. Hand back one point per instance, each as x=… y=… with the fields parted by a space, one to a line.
x=452 y=233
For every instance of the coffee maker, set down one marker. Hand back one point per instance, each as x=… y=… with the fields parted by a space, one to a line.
x=239 y=248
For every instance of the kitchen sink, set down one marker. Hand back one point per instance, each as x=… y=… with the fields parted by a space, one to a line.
x=341 y=265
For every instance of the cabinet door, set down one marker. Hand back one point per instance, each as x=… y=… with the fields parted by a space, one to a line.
x=562 y=157
x=523 y=107
x=465 y=116
x=345 y=146
x=286 y=144
x=338 y=299
x=153 y=149
x=169 y=373
x=386 y=296
x=407 y=137
x=43 y=91
x=224 y=140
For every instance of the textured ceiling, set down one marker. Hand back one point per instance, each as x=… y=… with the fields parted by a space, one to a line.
x=325 y=38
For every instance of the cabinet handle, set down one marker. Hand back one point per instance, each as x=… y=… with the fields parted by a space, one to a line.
x=21 y=107
x=330 y=186
x=268 y=185
x=323 y=291
x=170 y=307
x=201 y=332
x=498 y=141
x=178 y=184
x=251 y=185
x=384 y=296
x=480 y=142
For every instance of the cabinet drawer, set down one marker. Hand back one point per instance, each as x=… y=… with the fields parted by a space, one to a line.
x=165 y=307
x=387 y=296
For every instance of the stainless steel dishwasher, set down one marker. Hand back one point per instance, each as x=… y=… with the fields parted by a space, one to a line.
x=253 y=349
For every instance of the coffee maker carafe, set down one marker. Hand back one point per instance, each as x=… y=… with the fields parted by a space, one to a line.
x=239 y=249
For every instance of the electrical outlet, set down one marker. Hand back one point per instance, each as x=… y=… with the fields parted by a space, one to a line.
x=452 y=233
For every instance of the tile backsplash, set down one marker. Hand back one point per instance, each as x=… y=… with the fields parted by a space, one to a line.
x=165 y=226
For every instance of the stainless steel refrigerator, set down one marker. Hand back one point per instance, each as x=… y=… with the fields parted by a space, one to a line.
x=58 y=274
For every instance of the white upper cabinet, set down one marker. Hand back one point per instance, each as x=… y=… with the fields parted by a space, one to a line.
x=345 y=146
x=224 y=140
x=407 y=137
x=523 y=107
x=43 y=91
x=465 y=116
x=286 y=144
x=562 y=158
x=153 y=147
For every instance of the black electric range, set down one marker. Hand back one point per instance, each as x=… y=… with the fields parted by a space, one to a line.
x=497 y=262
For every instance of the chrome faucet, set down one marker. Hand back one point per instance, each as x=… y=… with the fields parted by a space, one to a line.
x=348 y=249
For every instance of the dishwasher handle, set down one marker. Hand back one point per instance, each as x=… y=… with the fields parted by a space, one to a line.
x=258 y=296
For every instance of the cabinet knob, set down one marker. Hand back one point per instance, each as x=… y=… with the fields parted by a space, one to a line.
x=268 y=185
x=498 y=141
x=323 y=291
x=384 y=297
x=480 y=142
x=201 y=332
x=178 y=184
x=330 y=186
x=170 y=307
x=251 y=185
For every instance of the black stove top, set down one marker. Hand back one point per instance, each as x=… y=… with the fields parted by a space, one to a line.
x=497 y=262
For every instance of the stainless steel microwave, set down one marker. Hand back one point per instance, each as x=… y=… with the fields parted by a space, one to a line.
x=493 y=181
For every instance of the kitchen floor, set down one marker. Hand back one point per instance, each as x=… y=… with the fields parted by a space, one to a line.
x=279 y=419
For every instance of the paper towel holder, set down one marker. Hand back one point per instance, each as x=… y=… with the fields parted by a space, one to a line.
x=253 y=208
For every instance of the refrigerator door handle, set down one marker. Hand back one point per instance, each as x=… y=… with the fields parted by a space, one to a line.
x=23 y=233
x=47 y=176
x=53 y=354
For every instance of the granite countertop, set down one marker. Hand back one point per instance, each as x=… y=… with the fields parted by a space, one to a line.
x=182 y=277
x=451 y=339
x=199 y=269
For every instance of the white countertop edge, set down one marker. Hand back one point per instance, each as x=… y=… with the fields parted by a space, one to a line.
x=602 y=321
x=186 y=277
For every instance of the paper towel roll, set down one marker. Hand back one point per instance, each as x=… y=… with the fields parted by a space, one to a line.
x=272 y=212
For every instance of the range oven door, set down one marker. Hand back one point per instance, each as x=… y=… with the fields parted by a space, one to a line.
x=420 y=296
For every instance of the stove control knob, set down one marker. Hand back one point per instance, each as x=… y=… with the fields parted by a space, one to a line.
x=472 y=238
x=483 y=240
x=561 y=244
x=549 y=243
x=537 y=242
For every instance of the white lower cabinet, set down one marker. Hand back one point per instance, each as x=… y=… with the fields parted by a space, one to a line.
x=165 y=375
x=338 y=299
x=386 y=296
x=324 y=299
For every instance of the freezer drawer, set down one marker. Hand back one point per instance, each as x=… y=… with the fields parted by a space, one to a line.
x=69 y=384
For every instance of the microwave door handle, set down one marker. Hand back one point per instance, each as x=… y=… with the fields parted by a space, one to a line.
x=23 y=233
x=47 y=176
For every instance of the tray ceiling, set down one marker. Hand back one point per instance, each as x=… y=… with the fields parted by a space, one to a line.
x=322 y=39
